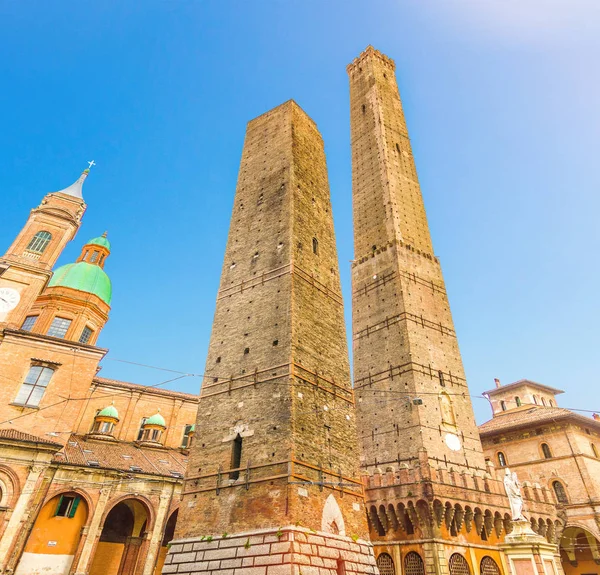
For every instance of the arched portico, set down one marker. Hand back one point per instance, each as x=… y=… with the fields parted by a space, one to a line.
x=167 y=538
x=123 y=533
x=579 y=551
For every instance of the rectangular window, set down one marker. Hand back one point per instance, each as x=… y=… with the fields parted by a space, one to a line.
x=94 y=256
x=185 y=442
x=34 y=386
x=236 y=457
x=86 y=334
x=67 y=506
x=59 y=327
x=141 y=431
x=29 y=322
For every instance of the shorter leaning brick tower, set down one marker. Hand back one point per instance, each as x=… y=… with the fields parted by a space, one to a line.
x=273 y=485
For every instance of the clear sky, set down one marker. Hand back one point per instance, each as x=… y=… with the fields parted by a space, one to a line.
x=501 y=99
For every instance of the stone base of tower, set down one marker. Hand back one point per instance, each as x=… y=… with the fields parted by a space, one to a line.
x=284 y=551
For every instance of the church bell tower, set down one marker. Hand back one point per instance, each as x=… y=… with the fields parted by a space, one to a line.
x=27 y=265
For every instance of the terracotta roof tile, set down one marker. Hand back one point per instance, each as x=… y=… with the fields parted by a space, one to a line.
x=16 y=435
x=533 y=416
x=122 y=456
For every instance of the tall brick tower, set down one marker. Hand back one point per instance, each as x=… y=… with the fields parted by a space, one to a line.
x=427 y=479
x=273 y=482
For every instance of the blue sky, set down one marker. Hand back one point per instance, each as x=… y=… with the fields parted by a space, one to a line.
x=501 y=101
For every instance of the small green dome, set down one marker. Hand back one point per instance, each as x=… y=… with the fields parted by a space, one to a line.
x=100 y=241
x=109 y=411
x=83 y=277
x=156 y=419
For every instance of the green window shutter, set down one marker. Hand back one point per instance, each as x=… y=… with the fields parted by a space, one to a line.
x=58 y=506
x=74 y=507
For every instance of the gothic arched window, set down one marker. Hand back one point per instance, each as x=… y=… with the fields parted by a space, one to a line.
x=559 y=491
x=458 y=565
x=413 y=564
x=501 y=459
x=39 y=242
x=546 y=451
x=385 y=564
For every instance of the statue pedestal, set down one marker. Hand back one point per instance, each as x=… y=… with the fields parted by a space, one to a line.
x=528 y=553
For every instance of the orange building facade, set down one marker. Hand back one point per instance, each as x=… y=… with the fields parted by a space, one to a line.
x=556 y=450
x=90 y=468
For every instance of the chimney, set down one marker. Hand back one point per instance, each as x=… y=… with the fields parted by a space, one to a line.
x=497 y=382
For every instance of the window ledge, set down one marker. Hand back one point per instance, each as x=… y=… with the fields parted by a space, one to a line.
x=24 y=405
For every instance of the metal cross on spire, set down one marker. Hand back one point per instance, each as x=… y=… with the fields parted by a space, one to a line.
x=90 y=164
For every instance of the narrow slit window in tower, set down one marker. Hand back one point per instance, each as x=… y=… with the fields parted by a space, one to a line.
x=236 y=457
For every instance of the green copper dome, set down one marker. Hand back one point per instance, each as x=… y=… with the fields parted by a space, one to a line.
x=100 y=241
x=109 y=411
x=156 y=419
x=84 y=277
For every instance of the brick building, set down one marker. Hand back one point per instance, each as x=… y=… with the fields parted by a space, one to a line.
x=90 y=468
x=273 y=484
x=552 y=448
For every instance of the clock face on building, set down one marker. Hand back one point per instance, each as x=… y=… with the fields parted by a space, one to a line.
x=452 y=441
x=9 y=298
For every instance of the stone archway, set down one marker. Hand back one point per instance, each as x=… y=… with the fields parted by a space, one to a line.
x=579 y=551
x=123 y=532
x=53 y=541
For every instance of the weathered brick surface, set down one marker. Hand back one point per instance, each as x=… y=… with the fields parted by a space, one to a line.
x=278 y=376
x=419 y=440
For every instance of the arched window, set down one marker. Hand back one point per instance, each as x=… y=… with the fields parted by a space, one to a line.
x=544 y=401
x=559 y=491
x=535 y=400
x=413 y=564
x=501 y=459
x=489 y=567
x=551 y=403
x=385 y=564
x=518 y=401
x=39 y=242
x=503 y=405
x=458 y=565
x=546 y=451
x=315 y=246
x=594 y=450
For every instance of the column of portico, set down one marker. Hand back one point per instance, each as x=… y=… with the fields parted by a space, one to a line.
x=19 y=516
x=159 y=527
x=93 y=534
